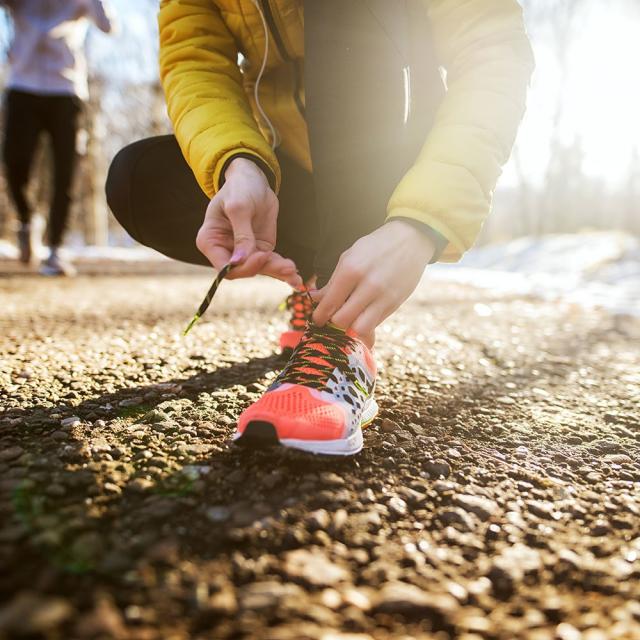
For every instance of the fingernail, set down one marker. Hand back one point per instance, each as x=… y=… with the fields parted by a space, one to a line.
x=238 y=256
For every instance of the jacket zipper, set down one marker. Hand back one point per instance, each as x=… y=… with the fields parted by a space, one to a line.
x=282 y=51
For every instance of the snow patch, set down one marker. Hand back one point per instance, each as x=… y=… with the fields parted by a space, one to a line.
x=598 y=269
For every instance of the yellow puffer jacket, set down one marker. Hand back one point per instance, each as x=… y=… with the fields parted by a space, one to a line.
x=482 y=44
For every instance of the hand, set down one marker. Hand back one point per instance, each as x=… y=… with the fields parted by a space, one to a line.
x=240 y=226
x=373 y=278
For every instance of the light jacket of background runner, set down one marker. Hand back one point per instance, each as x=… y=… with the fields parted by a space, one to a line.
x=482 y=45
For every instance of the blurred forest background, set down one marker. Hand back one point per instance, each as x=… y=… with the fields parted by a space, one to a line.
x=576 y=165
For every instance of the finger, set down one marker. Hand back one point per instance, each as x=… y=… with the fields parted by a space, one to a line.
x=353 y=308
x=318 y=294
x=218 y=256
x=366 y=323
x=282 y=269
x=342 y=283
x=250 y=267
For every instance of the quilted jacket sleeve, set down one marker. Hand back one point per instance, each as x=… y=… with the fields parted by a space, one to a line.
x=483 y=46
x=211 y=115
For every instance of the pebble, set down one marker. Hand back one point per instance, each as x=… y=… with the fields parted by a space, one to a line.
x=112 y=488
x=397 y=506
x=411 y=601
x=388 y=426
x=261 y=595
x=482 y=507
x=71 y=421
x=318 y=520
x=542 y=509
x=141 y=484
x=437 y=468
x=29 y=614
x=131 y=402
x=11 y=453
x=218 y=513
x=154 y=416
x=314 y=568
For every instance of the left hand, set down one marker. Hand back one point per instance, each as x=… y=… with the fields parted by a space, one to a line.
x=373 y=278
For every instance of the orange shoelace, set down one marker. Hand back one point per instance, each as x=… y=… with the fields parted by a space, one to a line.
x=301 y=307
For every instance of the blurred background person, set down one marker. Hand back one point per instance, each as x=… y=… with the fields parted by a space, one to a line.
x=45 y=92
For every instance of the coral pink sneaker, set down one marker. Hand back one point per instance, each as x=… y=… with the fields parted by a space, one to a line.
x=321 y=400
x=301 y=307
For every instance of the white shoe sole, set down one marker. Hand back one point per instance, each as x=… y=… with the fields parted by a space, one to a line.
x=341 y=447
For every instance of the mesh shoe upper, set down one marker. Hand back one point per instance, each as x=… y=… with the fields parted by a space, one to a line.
x=322 y=391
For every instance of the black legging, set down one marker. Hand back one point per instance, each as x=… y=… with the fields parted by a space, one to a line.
x=28 y=115
x=357 y=56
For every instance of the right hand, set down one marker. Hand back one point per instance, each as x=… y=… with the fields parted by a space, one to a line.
x=240 y=226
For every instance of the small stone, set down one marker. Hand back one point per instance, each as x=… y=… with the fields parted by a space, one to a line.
x=600 y=528
x=502 y=580
x=11 y=453
x=218 y=513
x=131 y=402
x=260 y=596
x=411 y=601
x=331 y=598
x=318 y=520
x=437 y=468
x=542 y=509
x=566 y=631
x=482 y=507
x=154 y=416
x=618 y=458
x=459 y=517
x=112 y=488
x=223 y=603
x=141 y=484
x=356 y=598
x=397 y=506
x=71 y=421
x=387 y=426
x=314 y=568
x=330 y=479
x=104 y=620
x=30 y=614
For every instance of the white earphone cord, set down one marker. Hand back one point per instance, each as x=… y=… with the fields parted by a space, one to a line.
x=256 y=87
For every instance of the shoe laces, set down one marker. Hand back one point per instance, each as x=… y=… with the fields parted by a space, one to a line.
x=301 y=306
x=314 y=361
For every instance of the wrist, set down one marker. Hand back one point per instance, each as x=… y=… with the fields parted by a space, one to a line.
x=242 y=166
x=422 y=242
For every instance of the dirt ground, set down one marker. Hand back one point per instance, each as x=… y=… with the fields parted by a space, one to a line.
x=497 y=496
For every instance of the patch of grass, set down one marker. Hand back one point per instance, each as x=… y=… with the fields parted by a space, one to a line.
x=134 y=412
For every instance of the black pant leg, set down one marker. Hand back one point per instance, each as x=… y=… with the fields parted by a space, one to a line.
x=62 y=119
x=372 y=86
x=23 y=127
x=156 y=198
x=153 y=194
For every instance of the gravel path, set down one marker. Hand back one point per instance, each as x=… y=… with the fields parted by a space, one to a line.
x=497 y=496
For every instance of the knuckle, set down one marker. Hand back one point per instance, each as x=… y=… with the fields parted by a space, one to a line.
x=202 y=240
x=376 y=286
x=350 y=266
x=236 y=208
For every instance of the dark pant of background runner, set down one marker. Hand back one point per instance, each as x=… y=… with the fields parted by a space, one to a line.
x=372 y=87
x=28 y=116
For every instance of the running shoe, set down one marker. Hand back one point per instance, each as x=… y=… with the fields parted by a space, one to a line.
x=320 y=401
x=54 y=265
x=301 y=307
